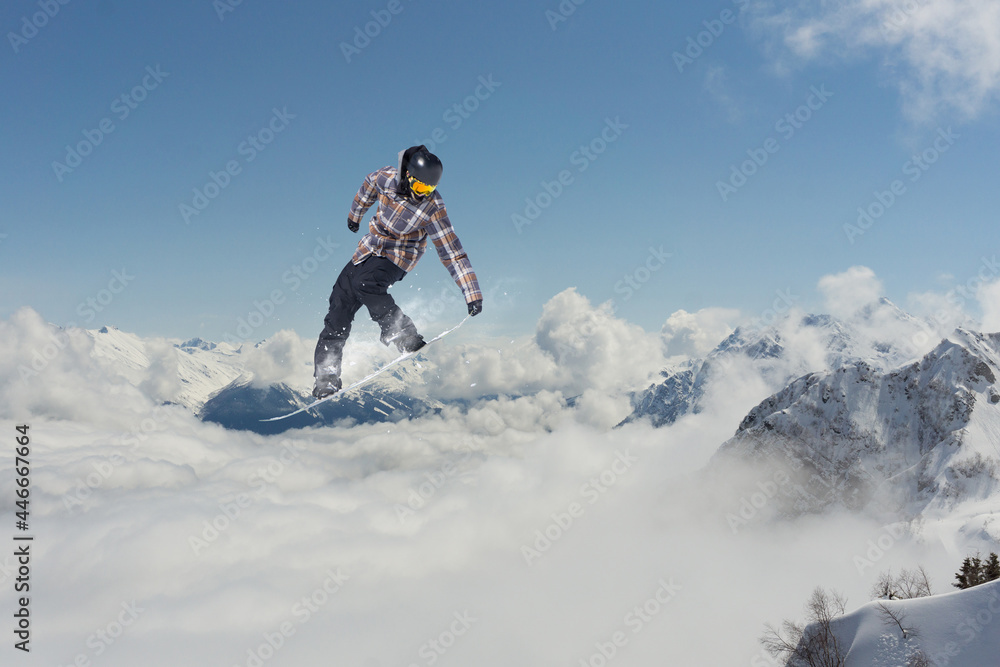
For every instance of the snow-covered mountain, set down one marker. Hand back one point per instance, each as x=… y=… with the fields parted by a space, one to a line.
x=880 y=334
x=188 y=373
x=214 y=381
x=242 y=406
x=924 y=436
x=959 y=629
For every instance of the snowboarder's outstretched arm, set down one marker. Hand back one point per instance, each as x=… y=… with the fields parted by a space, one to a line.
x=366 y=196
x=453 y=256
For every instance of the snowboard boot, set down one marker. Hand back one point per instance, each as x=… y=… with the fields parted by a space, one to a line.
x=405 y=341
x=326 y=365
x=397 y=328
x=326 y=385
x=408 y=342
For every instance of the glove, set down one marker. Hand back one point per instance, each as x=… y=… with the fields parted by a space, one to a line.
x=476 y=307
x=353 y=226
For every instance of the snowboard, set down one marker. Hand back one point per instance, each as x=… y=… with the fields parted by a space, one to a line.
x=368 y=378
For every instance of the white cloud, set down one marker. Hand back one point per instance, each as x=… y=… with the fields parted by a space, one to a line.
x=49 y=371
x=937 y=307
x=427 y=518
x=846 y=293
x=283 y=357
x=718 y=86
x=577 y=346
x=696 y=334
x=162 y=381
x=943 y=55
x=506 y=367
x=989 y=301
x=592 y=348
x=944 y=311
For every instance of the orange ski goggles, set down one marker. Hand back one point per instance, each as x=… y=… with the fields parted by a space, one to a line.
x=420 y=187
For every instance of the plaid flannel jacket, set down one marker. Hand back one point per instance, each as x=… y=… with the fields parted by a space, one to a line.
x=400 y=228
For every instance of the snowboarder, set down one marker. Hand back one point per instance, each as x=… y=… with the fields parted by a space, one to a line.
x=410 y=209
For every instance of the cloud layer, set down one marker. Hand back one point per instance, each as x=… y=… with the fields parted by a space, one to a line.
x=943 y=55
x=511 y=534
x=518 y=529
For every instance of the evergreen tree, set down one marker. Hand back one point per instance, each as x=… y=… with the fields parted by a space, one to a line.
x=971 y=573
x=991 y=570
x=975 y=571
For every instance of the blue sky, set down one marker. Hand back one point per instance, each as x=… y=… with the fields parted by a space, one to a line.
x=199 y=80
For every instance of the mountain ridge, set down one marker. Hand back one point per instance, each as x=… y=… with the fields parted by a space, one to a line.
x=779 y=353
x=916 y=439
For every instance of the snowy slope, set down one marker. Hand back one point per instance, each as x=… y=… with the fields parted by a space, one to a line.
x=392 y=396
x=880 y=334
x=958 y=629
x=242 y=406
x=213 y=381
x=921 y=437
x=180 y=372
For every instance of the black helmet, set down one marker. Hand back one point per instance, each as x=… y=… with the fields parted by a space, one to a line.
x=424 y=166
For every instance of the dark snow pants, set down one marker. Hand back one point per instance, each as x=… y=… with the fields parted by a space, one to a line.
x=365 y=284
